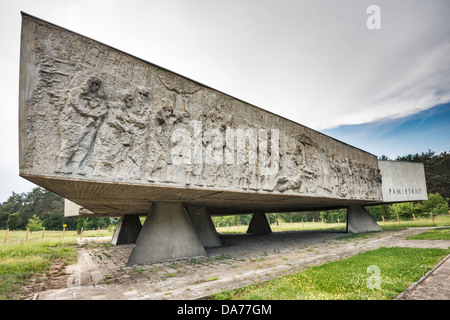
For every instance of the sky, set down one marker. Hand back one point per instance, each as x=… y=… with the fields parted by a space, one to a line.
x=316 y=62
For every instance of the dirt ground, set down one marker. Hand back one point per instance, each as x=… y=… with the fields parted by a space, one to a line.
x=55 y=278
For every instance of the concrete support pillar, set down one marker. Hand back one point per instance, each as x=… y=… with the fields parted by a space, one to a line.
x=127 y=230
x=204 y=227
x=259 y=224
x=167 y=234
x=359 y=220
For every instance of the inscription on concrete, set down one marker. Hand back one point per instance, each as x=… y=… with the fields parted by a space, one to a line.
x=400 y=191
x=403 y=181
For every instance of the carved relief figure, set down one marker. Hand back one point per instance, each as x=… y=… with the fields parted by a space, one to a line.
x=134 y=130
x=78 y=125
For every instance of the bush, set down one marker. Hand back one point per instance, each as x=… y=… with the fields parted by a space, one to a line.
x=35 y=223
x=404 y=210
x=435 y=204
x=378 y=212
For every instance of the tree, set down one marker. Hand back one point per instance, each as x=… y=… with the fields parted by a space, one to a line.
x=44 y=204
x=12 y=205
x=435 y=204
x=81 y=224
x=13 y=222
x=332 y=216
x=35 y=223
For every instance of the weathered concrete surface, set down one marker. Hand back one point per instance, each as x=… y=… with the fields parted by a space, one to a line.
x=114 y=133
x=127 y=230
x=204 y=227
x=167 y=234
x=259 y=224
x=403 y=181
x=359 y=220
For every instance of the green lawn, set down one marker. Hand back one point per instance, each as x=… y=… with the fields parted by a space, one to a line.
x=349 y=279
x=20 y=261
x=435 y=234
x=441 y=220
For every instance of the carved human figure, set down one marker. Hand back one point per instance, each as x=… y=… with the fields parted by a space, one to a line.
x=78 y=125
x=160 y=167
x=121 y=147
x=134 y=124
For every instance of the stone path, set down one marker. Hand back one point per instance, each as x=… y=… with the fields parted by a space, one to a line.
x=101 y=272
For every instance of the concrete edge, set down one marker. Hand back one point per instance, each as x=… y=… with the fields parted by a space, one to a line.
x=416 y=284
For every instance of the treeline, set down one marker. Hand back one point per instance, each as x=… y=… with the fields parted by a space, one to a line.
x=330 y=216
x=436 y=204
x=42 y=208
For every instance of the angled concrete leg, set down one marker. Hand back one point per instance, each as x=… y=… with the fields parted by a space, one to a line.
x=259 y=224
x=128 y=230
x=203 y=225
x=167 y=234
x=359 y=220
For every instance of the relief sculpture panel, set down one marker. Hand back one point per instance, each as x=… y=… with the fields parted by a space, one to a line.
x=95 y=113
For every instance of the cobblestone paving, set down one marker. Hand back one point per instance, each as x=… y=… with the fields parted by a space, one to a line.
x=101 y=272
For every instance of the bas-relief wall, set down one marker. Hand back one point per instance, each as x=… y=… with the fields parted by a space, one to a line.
x=94 y=113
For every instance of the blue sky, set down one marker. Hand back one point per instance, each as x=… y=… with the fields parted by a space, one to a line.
x=428 y=129
x=314 y=62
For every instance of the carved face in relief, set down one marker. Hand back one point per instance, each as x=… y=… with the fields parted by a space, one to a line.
x=92 y=86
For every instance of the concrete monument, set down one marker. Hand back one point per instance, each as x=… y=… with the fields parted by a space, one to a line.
x=117 y=136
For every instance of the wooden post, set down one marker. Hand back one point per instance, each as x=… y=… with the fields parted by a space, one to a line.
x=64 y=230
x=339 y=223
x=81 y=234
x=398 y=219
x=414 y=218
x=6 y=235
x=382 y=217
x=26 y=235
x=432 y=219
x=43 y=231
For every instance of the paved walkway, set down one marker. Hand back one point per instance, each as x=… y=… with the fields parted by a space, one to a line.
x=101 y=272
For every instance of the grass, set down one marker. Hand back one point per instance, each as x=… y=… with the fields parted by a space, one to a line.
x=16 y=237
x=348 y=279
x=441 y=220
x=20 y=261
x=435 y=234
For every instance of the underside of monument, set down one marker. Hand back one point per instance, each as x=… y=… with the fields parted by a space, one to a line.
x=119 y=136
